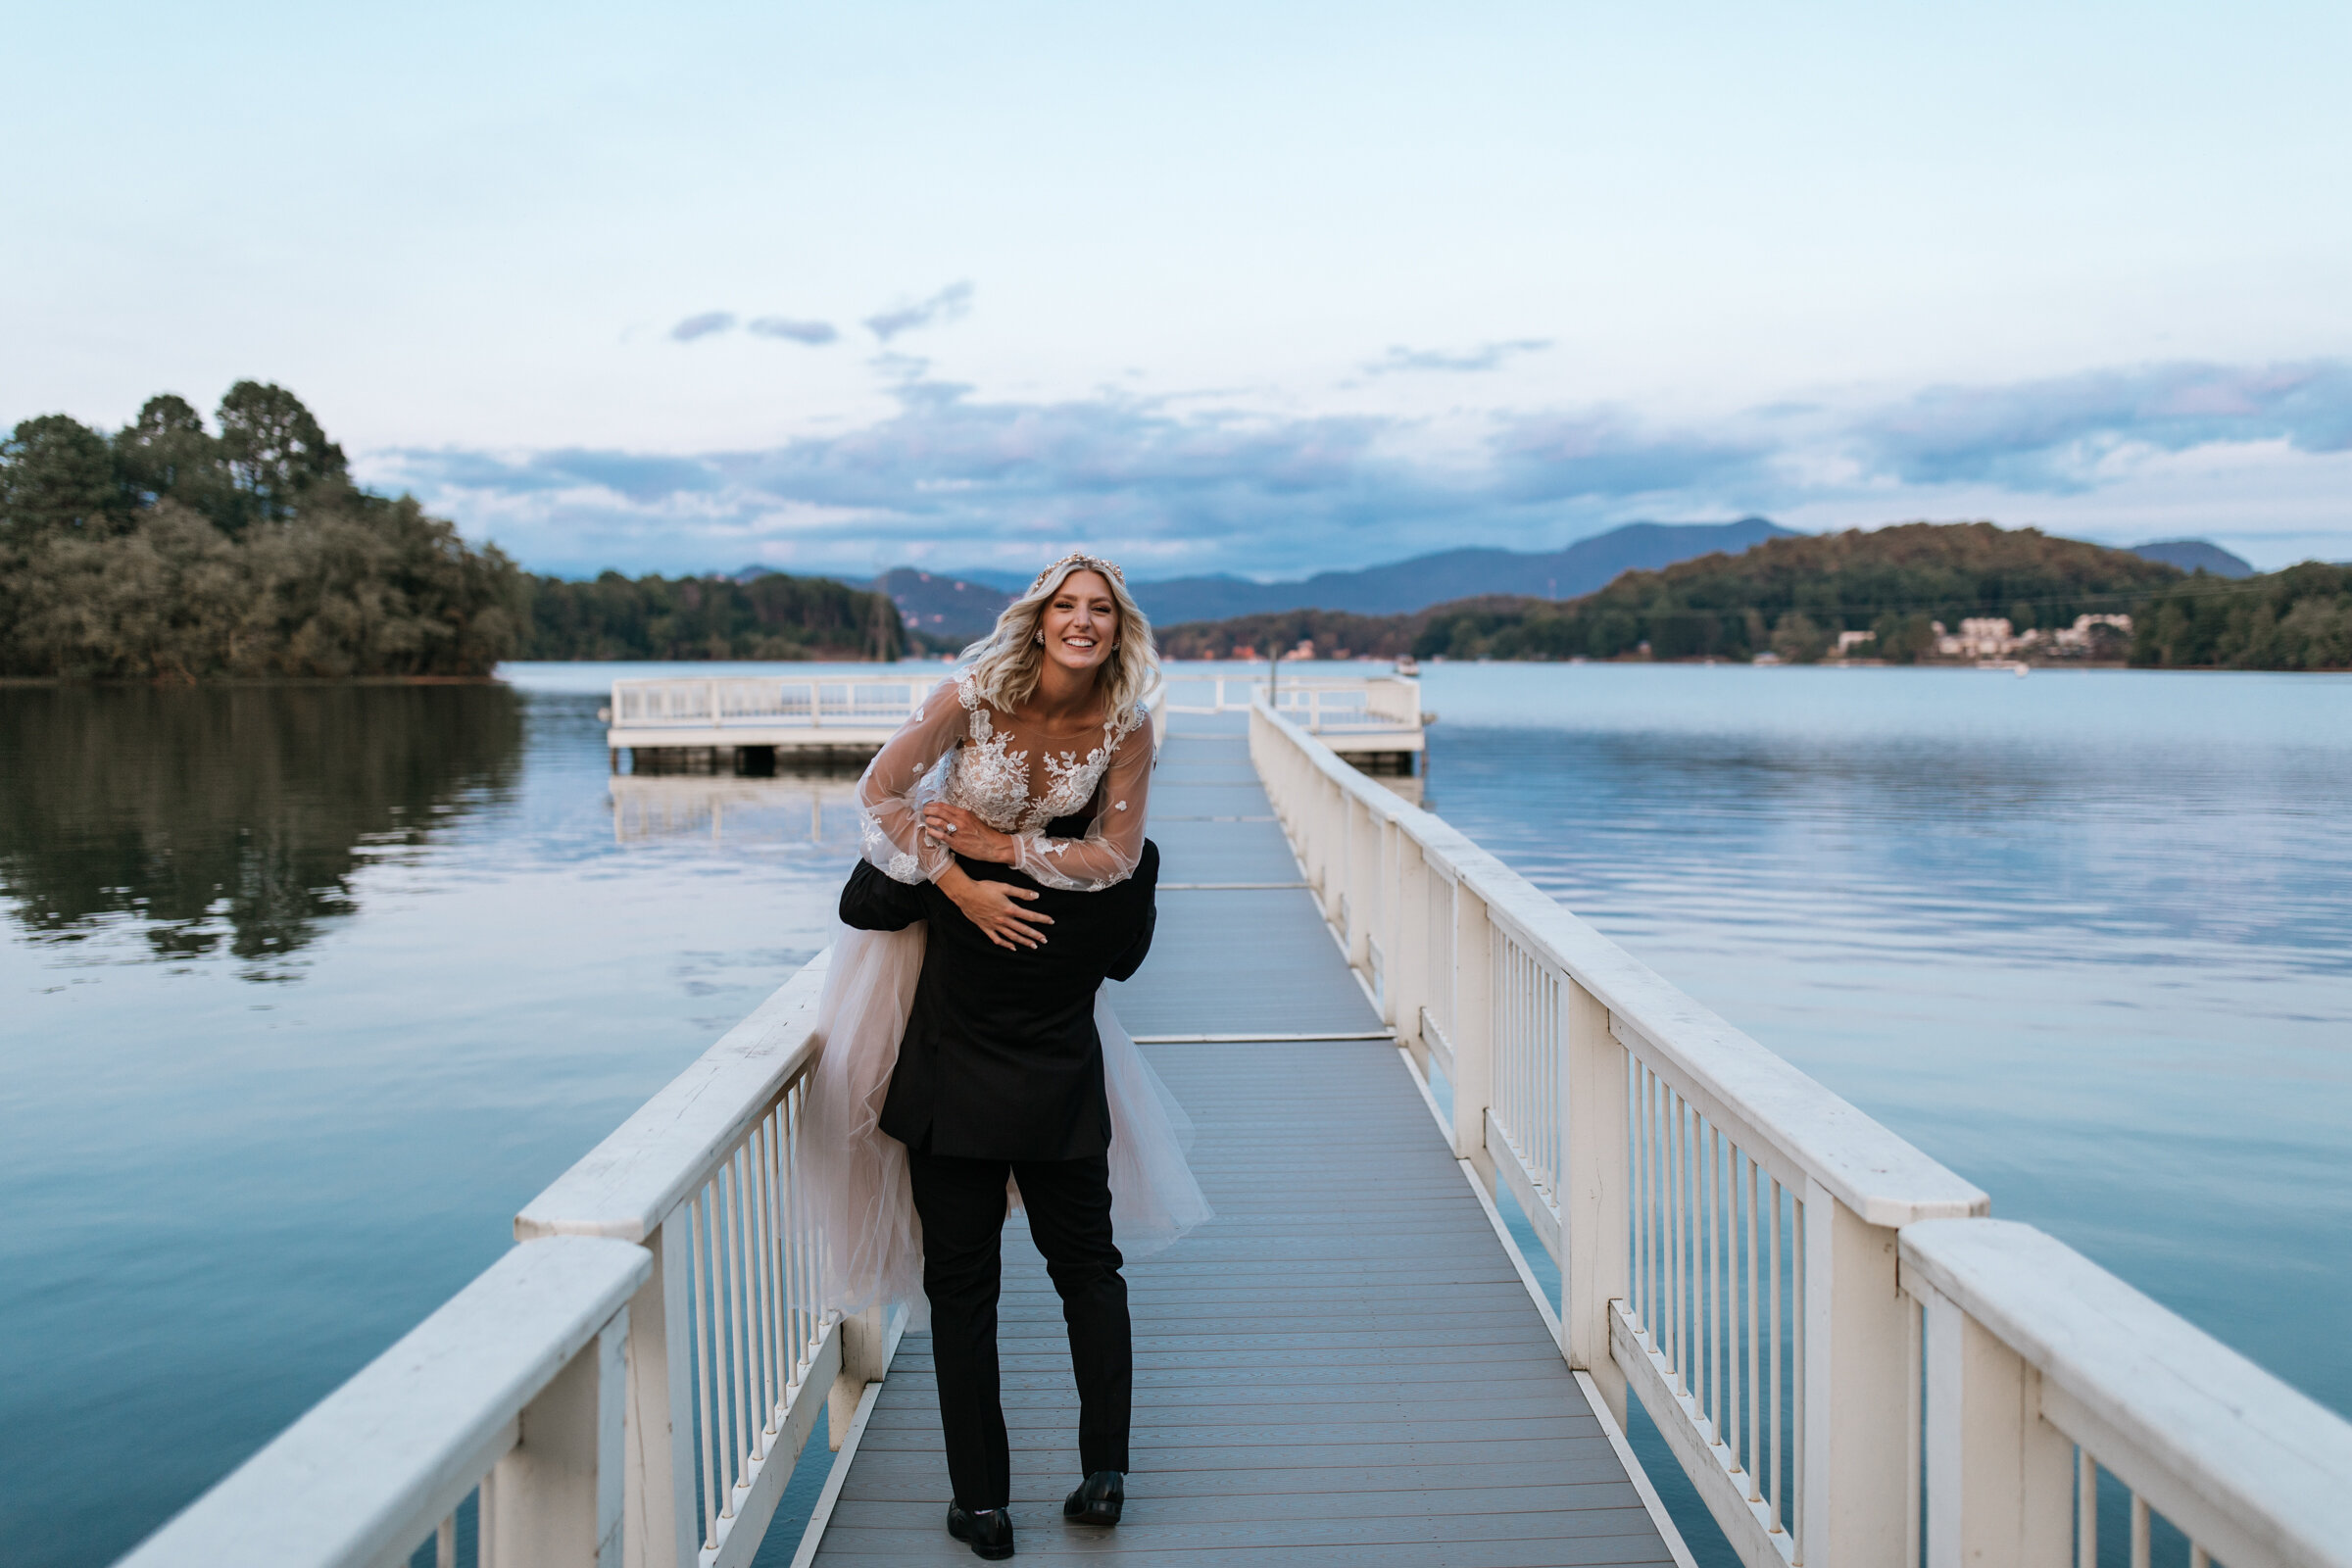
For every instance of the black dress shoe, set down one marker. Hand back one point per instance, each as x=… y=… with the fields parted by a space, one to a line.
x=1098 y=1499
x=987 y=1530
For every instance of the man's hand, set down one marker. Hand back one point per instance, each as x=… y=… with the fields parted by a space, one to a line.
x=999 y=910
x=959 y=830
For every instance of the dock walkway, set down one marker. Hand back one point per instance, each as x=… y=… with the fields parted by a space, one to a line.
x=1850 y=1362
x=1343 y=1366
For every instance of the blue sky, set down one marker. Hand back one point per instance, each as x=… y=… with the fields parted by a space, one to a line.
x=1234 y=288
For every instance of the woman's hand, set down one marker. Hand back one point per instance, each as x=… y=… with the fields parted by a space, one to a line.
x=1001 y=911
x=961 y=831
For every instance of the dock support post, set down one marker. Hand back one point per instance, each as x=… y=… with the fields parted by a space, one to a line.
x=1473 y=1030
x=1594 y=1209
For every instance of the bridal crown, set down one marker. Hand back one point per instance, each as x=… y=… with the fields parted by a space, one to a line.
x=1079 y=557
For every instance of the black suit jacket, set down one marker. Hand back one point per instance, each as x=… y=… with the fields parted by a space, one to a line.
x=1001 y=1059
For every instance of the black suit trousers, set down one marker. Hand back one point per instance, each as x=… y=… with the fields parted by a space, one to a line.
x=962 y=1203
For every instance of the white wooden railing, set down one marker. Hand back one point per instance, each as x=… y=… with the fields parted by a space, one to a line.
x=769 y=702
x=1746 y=1252
x=511 y=1393
x=1322 y=705
x=735 y=1349
x=1848 y=1360
x=2043 y=1369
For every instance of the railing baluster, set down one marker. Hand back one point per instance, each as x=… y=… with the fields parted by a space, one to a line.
x=1798 y=1221
x=1772 y=1491
x=1755 y=1386
x=747 y=1439
x=705 y=1382
x=1710 y=1278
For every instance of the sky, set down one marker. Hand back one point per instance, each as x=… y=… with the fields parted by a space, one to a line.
x=1263 y=290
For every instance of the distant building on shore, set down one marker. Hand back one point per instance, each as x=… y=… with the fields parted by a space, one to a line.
x=1993 y=637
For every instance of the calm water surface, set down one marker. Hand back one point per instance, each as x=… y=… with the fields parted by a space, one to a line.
x=309 y=990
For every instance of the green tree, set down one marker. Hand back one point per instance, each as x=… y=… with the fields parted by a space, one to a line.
x=278 y=454
x=166 y=454
x=57 y=475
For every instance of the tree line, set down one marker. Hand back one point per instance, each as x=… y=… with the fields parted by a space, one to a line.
x=768 y=616
x=2299 y=618
x=169 y=551
x=1793 y=597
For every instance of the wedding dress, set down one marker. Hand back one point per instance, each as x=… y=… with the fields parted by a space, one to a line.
x=956 y=750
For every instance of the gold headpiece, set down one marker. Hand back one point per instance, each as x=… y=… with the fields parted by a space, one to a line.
x=1079 y=557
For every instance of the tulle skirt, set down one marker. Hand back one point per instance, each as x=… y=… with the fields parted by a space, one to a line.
x=858 y=1172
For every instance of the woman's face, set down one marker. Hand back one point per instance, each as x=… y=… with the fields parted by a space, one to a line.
x=1080 y=624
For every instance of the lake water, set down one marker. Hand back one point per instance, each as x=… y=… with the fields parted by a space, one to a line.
x=308 y=989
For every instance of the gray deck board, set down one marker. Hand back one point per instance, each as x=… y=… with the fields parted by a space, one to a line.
x=1343 y=1367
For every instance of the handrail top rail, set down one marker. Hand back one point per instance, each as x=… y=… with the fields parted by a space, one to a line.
x=2269 y=1457
x=1882 y=1176
x=924 y=677
x=415 y=1429
x=626 y=1186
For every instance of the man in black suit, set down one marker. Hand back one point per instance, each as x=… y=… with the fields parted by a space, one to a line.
x=1001 y=1075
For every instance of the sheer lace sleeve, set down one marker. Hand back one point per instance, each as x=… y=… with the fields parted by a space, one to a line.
x=1115 y=840
x=890 y=794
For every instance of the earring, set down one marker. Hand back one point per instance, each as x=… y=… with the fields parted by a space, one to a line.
x=1038 y=639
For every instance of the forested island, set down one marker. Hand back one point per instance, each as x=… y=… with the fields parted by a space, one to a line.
x=172 y=552
x=1895 y=594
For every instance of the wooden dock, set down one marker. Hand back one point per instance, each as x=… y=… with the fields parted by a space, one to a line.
x=1302 y=1396
x=1351 y=1363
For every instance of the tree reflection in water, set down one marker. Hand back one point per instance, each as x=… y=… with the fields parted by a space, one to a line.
x=235 y=816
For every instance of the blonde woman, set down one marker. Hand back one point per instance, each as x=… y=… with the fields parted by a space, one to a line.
x=967 y=1044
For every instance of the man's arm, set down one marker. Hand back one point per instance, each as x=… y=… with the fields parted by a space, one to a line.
x=1142 y=886
x=872 y=901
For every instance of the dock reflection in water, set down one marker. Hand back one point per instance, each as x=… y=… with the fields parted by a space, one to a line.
x=819 y=809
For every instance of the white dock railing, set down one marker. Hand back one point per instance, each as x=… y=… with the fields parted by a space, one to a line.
x=735 y=1347
x=512 y=1388
x=2043 y=1369
x=1846 y=1359
x=768 y=702
x=1351 y=713
x=1746 y=1252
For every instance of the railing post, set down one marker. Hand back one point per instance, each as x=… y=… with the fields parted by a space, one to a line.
x=660 y=1451
x=1596 y=1160
x=554 y=1499
x=1407 y=939
x=1856 y=1355
x=862 y=1361
x=1473 y=1029
x=1999 y=1476
x=1363 y=881
x=657 y=1470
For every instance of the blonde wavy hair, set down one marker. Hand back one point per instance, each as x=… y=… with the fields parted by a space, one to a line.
x=1005 y=663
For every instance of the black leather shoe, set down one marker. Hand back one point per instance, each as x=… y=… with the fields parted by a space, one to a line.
x=1098 y=1499
x=987 y=1530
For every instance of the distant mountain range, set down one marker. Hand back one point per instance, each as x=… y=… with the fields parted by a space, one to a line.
x=1404 y=587
x=957 y=606
x=2197 y=555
